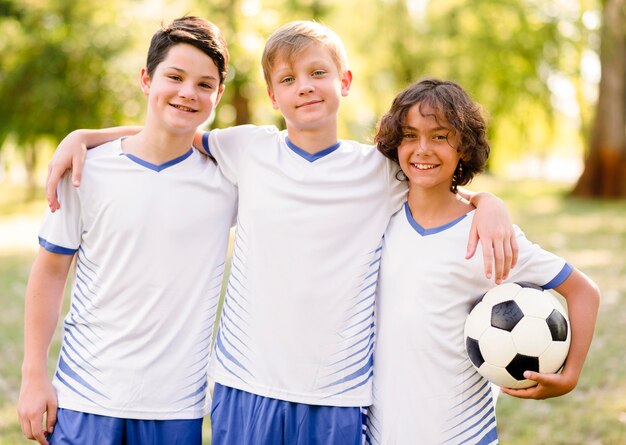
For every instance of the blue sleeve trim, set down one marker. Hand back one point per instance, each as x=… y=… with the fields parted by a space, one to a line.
x=56 y=249
x=560 y=277
x=205 y=143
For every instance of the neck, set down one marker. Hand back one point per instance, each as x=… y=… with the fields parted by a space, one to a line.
x=312 y=140
x=433 y=208
x=157 y=146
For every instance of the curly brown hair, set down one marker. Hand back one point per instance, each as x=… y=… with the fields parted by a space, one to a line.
x=448 y=100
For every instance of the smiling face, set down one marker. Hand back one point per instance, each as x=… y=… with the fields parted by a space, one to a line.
x=428 y=152
x=307 y=90
x=183 y=90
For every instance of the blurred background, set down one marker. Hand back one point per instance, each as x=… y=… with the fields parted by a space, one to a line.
x=550 y=74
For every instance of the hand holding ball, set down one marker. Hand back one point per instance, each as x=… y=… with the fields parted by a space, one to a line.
x=514 y=328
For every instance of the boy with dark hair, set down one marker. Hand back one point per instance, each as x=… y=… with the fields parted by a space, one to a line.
x=136 y=341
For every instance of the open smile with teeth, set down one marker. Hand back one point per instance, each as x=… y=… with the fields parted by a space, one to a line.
x=424 y=166
x=183 y=108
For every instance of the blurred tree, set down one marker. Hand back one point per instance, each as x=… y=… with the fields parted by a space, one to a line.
x=605 y=166
x=502 y=52
x=56 y=72
x=66 y=64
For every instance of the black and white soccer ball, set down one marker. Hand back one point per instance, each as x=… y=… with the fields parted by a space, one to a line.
x=514 y=328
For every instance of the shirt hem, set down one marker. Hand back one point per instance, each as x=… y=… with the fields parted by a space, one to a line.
x=139 y=415
x=287 y=396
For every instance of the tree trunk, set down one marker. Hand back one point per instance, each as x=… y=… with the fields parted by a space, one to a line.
x=605 y=167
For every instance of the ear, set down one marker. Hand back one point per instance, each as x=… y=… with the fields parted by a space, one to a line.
x=144 y=81
x=270 y=93
x=346 y=81
x=219 y=95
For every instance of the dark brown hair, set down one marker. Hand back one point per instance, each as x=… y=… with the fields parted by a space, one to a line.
x=194 y=31
x=448 y=100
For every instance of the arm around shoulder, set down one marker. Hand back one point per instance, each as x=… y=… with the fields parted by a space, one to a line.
x=493 y=227
x=70 y=154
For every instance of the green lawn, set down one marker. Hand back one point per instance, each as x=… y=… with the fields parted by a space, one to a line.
x=590 y=234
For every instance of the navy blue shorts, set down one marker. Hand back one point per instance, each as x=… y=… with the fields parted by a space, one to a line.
x=241 y=418
x=78 y=428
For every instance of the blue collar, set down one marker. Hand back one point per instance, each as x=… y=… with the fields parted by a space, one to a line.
x=425 y=232
x=308 y=156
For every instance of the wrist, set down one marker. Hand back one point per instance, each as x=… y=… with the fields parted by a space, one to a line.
x=34 y=370
x=484 y=197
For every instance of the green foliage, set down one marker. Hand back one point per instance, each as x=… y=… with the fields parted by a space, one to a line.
x=68 y=65
x=56 y=70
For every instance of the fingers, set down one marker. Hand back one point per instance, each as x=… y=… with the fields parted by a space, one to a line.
x=499 y=255
x=548 y=386
x=54 y=176
x=37 y=432
x=514 y=251
x=26 y=429
x=525 y=393
x=488 y=260
x=78 y=160
x=472 y=244
x=56 y=170
x=51 y=417
x=508 y=259
x=32 y=427
x=499 y=260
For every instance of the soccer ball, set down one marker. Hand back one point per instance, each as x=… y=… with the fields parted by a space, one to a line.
x=517 y=327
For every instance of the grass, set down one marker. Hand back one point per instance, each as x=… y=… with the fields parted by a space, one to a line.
x=590 y=234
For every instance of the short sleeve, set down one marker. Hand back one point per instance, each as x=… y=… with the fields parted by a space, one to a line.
x=61 y=231
x=538 y=266
x=398 y=188
x=229 y=145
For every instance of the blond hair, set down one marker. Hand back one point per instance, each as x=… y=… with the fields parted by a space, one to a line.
x=294 y=37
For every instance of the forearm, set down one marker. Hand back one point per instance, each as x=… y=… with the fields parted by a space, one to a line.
x=44 y=295
x=492 y=226
x=475 y=198
x=583 y=298
x=197 y=141
x=92 y=138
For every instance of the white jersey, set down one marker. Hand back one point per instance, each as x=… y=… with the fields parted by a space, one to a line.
x=425 y=388
x=151 y=243
x=298 y=316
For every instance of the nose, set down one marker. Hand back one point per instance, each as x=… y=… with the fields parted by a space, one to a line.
x=305 y=87
x=187 y=91
x=421 y=146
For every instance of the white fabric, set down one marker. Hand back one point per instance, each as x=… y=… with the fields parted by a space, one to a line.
x=425 y=389
x=151 y=244
x=297 y=323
